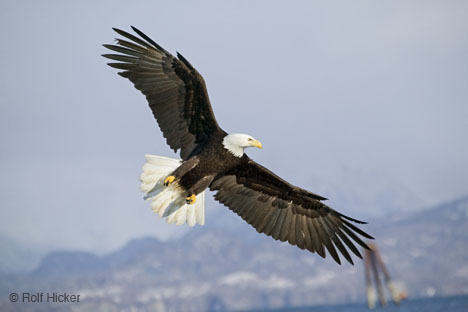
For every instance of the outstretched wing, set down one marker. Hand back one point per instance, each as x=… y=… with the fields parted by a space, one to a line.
x=175 y=91
x=287 y=213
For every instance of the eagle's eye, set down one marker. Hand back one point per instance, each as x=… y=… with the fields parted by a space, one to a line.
x=250 y=139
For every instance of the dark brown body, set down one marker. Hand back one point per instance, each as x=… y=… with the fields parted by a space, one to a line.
x=196 y=173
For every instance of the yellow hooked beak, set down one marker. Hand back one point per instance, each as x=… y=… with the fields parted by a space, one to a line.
x=256 y=143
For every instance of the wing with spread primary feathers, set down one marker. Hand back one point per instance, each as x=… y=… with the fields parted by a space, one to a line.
x=287 y=213
x=175 y=91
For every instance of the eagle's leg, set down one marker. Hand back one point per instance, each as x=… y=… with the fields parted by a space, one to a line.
x=191 y=199
x=169 y=180
x=199 y=187
x=185 y=167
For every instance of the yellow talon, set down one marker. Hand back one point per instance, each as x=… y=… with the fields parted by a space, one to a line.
x=191 y=199
x=169 y=180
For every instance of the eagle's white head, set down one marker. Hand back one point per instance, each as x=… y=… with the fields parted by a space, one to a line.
x=237 y=142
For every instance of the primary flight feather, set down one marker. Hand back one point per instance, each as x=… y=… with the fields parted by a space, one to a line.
x=214 y=159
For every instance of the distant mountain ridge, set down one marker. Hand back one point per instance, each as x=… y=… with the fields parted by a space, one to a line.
x=211 y=267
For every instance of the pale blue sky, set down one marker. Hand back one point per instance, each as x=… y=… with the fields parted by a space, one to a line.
x=363 y=102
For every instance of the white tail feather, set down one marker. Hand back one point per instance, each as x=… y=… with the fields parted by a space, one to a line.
x=169 y=202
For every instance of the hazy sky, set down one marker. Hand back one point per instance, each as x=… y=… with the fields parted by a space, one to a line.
x=364 y=102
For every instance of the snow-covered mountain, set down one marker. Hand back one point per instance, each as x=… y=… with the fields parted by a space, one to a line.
x=220 y=267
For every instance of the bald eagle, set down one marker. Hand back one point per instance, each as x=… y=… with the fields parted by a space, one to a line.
x=214 y=159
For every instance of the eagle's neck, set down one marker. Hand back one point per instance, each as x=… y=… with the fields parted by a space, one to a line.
x=230 y=142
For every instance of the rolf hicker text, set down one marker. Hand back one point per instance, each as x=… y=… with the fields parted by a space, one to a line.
x=49 y=297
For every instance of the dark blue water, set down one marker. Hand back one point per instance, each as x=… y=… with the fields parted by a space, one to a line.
x=444 y=304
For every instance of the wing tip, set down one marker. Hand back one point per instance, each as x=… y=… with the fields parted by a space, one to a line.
x=120 y=31
x=135 y=29
x=148 y=39
x=337 y=260
x=366 y=247
x=108 y=46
